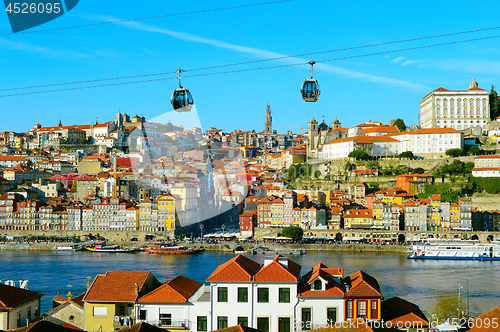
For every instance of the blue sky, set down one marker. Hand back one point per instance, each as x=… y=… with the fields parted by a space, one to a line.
x=378 y=88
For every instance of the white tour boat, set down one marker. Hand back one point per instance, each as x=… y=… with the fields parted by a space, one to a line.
x=458 y=251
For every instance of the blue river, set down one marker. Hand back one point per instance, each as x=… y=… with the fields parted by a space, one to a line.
x=416 y=281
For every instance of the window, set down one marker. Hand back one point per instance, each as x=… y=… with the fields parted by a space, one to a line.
x=349 y=310
x=284 y=295
x=263 y=323
x=29 y=313
x=18 y=319
x=361 y=309
x=284 y=324
x=122 y=311
x=221 y=322
x=243 y=321
x=263 y=295
x=222 y=294
x=374 y=310
x=331 y=315
x=318 y=285
x=103 y=311
x=242 y=294
x=166 y=319
x=306 y=318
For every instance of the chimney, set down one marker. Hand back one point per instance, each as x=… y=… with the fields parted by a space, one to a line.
x=136 y=287
x=268 y=260
x=283 y=261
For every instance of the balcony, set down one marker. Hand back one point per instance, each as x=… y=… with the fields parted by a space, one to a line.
x=171 y=324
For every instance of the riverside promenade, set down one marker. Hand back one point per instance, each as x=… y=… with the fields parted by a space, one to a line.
x=226 y=246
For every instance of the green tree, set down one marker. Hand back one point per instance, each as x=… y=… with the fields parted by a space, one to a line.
x=418 y=170
x=386 y=171
x=406 y=154
x=455 y=152
x=400 y=124
x=494 y=104
x=447 y=305
x=475 y=150
x=74 y=186
x=359 y=155
x=293 y=232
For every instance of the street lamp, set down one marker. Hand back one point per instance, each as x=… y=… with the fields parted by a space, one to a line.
x=223 y=228
x=201 y=228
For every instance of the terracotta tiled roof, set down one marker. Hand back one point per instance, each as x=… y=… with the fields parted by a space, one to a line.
x=340 y=328
x=116 y=286
x=44 y=326
x=275 y=271
x=491 y=316
x=362 y=285
x=11 y=297
x=492 y=156
x=239 y=268
x=238 y=328
x=177 y=290
x=333 y=288
x=397 y=310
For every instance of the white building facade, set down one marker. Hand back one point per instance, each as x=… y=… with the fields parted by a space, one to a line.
x=458 y=109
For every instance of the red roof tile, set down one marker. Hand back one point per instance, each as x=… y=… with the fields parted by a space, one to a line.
x=491 y=316
x=276 y=271
x=239 y=268
x=11 y=297
x=177 y=290
x=116 y=286
x=362 y=285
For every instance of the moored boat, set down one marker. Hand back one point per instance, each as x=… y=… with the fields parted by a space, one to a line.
x=75 y=247
x=111 y=248
x=171 y=250
x=456 y=251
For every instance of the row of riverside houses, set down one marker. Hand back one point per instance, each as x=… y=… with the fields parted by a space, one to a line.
x=97 y=213
x=392 y=209
x=272 y=296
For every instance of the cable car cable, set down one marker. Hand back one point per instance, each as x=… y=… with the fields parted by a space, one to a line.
x=261 y=68
x=145 y=18
x=254 y=61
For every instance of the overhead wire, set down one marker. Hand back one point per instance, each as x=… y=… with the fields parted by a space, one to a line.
x=265 y=60
x=260 y=68
x=145 y=18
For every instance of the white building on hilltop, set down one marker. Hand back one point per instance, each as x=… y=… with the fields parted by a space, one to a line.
x=457 y=109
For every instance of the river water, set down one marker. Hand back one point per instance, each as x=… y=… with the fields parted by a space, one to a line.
x=414 y=280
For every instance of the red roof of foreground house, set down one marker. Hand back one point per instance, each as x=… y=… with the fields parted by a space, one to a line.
x=362 y=285
x=396 y=310
x=11 y=297
x=117 y=286
x=238 y=328
x=333 y=288
x=46 y=326
x=278 y=271
x=239 y=268
x=177 y=290
x=490 y=316
x=350 y=328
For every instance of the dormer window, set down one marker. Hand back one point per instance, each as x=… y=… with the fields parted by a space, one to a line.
x=317 y=285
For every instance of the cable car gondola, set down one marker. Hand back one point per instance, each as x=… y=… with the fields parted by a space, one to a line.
x=310 y=88
x=181 y=100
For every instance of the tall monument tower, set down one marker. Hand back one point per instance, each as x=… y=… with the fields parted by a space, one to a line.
x=268 y=124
